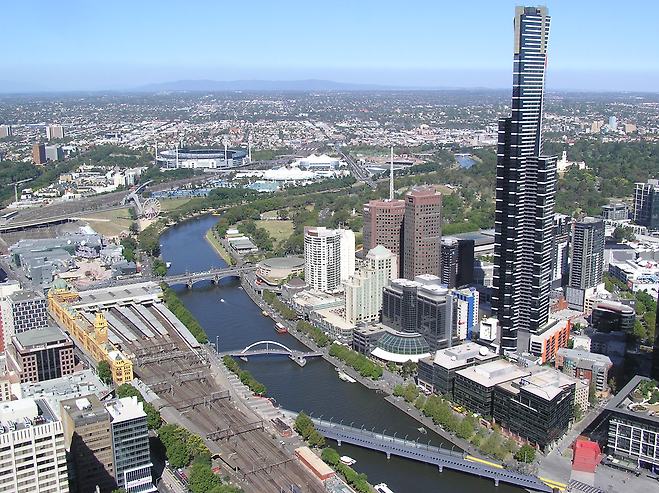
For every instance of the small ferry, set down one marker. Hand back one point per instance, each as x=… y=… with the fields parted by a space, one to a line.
x=264 y=313
x=422 y=430
x=221 y=300
x=348 y=461
x=168 y=264
x=345 y=377
x=280 y=329
x=383 y=488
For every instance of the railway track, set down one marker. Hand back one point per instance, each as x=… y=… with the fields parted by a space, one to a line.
x=260 y=464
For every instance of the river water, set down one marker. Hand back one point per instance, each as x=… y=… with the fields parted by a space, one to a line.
x=236 y=322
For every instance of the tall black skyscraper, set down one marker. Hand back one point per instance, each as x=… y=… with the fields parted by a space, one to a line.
x=525 y=193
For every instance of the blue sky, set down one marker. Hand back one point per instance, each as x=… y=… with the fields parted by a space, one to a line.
x=89 y=44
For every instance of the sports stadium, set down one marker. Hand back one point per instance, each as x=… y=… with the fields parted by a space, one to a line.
x=205 y=158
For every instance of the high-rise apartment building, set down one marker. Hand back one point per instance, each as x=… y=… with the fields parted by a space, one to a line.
x=6 y=131
x=525 y=193
x=560 y=250
x=6 y=288
x=22 y=311
x=54 y=132
x=88 y=441
x=646 y=204
x=329 y=257
x=39 y=154
x=40 y=354
x=448 y=249
x=130 y=445
x=363 y=290
x=32 y=452
x=422 y=232
x=54 y=153
x=383 y=225
x=587 y=253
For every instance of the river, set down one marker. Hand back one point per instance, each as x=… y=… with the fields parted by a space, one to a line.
x=236 y=322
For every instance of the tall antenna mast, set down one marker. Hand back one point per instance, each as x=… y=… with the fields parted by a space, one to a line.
x=155 y=157
x=249 y=147
x=391 y=176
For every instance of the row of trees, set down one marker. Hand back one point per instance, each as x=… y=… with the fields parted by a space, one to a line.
x=366 y=367
x=490 y=442
x=284 y=310
x=316 y=335
x=358 y=481
x=305 y=427
x=245 y=377
x=183 y=314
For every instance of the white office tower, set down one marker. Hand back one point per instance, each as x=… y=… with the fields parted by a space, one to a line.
x=32 y=452
x=347 y=253
x=130 y=446
x=364 y=289
x=329 y=257
x=467 y=302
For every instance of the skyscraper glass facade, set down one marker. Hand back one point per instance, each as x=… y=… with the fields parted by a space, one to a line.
x=525 y=192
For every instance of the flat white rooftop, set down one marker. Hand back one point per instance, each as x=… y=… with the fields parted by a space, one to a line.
x=493 y=373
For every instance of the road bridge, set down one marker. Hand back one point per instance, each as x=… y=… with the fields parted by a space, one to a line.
x=273 y=348
x=422 y=452
x=213 y=275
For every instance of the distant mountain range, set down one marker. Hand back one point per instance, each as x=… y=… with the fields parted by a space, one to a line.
x=260 y=85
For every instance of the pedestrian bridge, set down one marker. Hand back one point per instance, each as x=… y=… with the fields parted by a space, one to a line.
x=213 y=275
x=273 y=348
x=422 y=452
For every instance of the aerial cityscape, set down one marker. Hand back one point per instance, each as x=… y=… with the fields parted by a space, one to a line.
x=242 y=281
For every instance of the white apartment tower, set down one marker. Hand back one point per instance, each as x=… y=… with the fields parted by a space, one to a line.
x=329 y=257
x=363 y=290
x=54 y=132
x=32 y=451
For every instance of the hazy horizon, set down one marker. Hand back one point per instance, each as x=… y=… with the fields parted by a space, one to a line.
x=83 y=46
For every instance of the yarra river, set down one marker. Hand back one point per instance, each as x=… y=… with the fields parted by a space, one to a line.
x=316 y=389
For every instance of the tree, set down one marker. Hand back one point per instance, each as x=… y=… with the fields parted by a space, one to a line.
x=202 y=478
x=624 y=233
x=465 y=428
x=577 y=412
x=525 y=454
x=613 y=385
x=104 y=372
x=177 y=454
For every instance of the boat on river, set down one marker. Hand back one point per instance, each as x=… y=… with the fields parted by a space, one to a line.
x=280 y=328
x=348 y=461
x=382 y=488
x=345 y=377
x=264 y=313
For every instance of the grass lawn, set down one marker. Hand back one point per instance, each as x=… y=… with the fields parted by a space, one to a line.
x=110 y=223
x=278 y=230
x=169 y=204
x=270 y=214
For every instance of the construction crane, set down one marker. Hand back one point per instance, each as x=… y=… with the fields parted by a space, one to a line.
x=16 y=183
